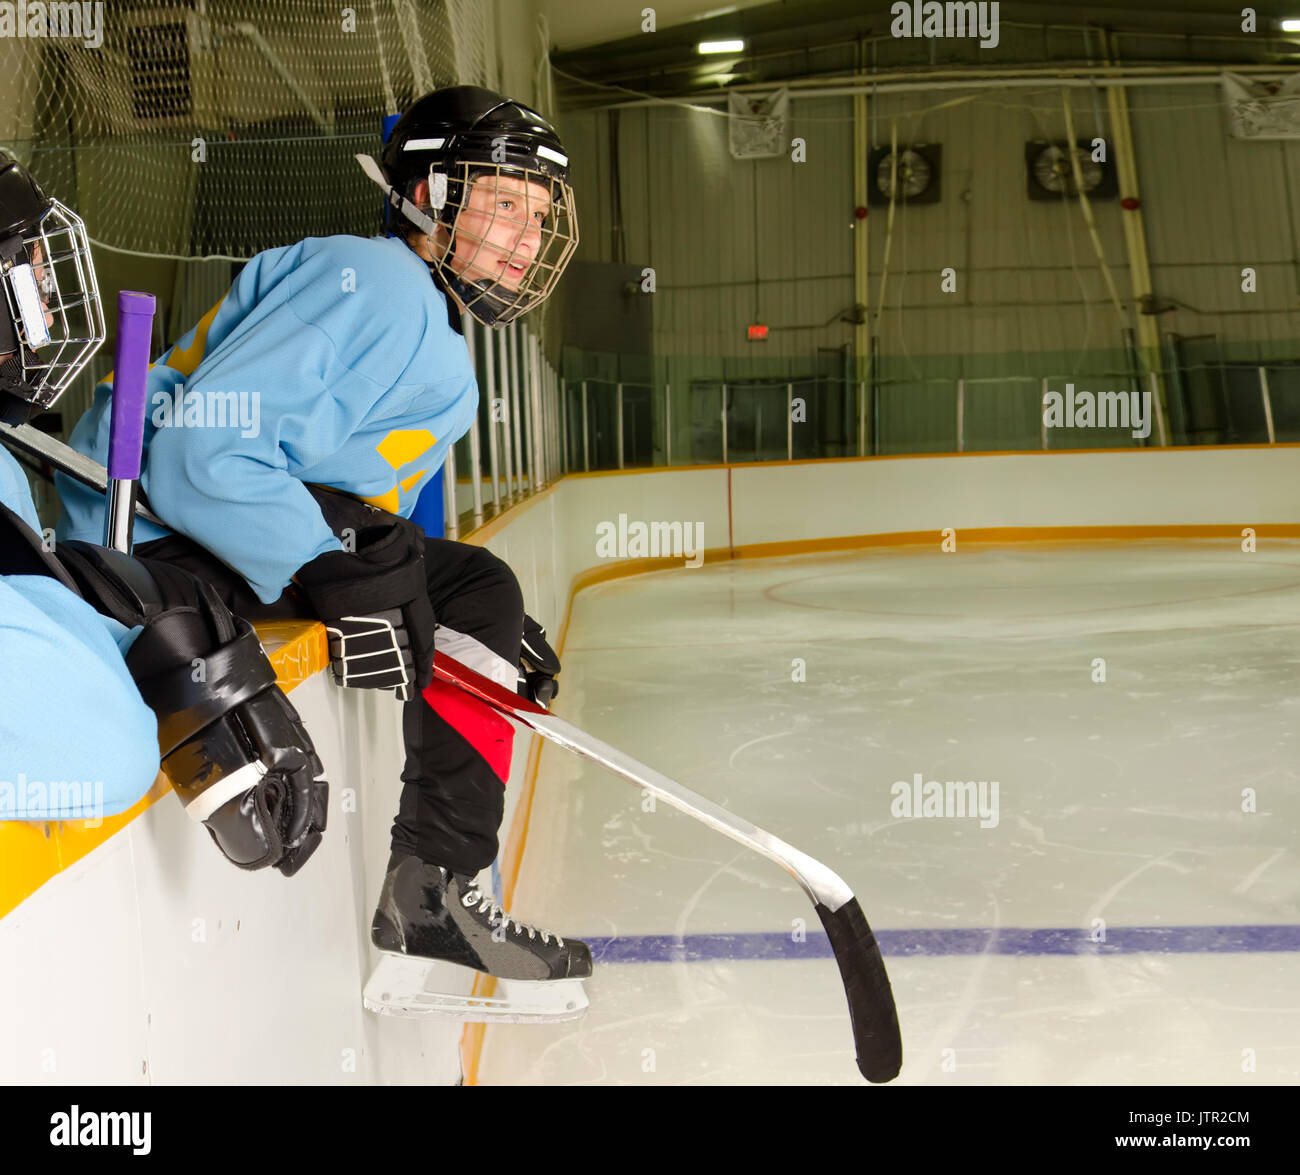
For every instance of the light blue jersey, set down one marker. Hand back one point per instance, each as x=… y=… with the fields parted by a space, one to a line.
x=329 y=362
x=15 y=492
x=76 y=739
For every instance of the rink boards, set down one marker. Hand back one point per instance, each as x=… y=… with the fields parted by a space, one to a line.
x=134 y=953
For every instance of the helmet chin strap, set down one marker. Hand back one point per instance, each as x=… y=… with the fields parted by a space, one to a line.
x=15 y=409
x=13 y=387
x=490 y=299
x=422 y=220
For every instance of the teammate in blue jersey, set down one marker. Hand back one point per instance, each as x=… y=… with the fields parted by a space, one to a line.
x=55 y=648
x=331 y=362
x=112 y=640
x=290 y=434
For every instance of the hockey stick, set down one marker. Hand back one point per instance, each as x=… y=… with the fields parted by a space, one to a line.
x=34 y=443
x=866 y=984
x=126 y=424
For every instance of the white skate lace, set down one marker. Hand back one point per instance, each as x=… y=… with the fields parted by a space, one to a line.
x=498 y=917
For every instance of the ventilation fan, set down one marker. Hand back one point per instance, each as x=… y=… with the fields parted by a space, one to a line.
x=1051 y=175
x=916 y=173
x=759 y=126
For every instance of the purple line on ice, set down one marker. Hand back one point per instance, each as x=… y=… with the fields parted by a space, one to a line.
x=1120 y=940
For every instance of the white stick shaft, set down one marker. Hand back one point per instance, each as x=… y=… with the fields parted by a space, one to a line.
x=818 y=882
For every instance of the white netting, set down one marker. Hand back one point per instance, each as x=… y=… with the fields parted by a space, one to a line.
x=222 y=127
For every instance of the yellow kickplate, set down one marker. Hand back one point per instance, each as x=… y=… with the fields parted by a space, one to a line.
x=31 y=853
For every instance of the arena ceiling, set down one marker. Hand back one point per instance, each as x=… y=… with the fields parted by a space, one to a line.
x=796 y=38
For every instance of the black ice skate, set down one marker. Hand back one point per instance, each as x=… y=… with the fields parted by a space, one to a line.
x=428 y=916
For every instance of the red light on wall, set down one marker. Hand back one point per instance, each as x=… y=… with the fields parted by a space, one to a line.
x=758 y=334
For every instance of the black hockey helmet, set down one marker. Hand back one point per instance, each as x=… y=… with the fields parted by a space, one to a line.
x=498 y=180
x=51 y=317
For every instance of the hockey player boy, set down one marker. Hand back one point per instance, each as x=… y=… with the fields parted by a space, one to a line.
x=353 y=353
x=111 y=639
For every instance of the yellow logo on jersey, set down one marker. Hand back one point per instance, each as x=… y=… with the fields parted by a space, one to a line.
x=186 y=359
x=401 y=447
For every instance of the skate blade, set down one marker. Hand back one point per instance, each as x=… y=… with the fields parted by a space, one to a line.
x=396 y=988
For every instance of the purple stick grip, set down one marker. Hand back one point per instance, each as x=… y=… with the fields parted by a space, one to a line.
x=130 y=367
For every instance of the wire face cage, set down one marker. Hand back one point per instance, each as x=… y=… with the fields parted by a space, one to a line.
x=515 y=231
x=55 y=304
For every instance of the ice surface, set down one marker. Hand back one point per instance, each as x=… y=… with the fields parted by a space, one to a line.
x=1119 y=813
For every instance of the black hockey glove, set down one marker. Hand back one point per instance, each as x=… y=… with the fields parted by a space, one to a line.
x=230 y=741
x=375 y=605
x=252 y=775
x=538 y=665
